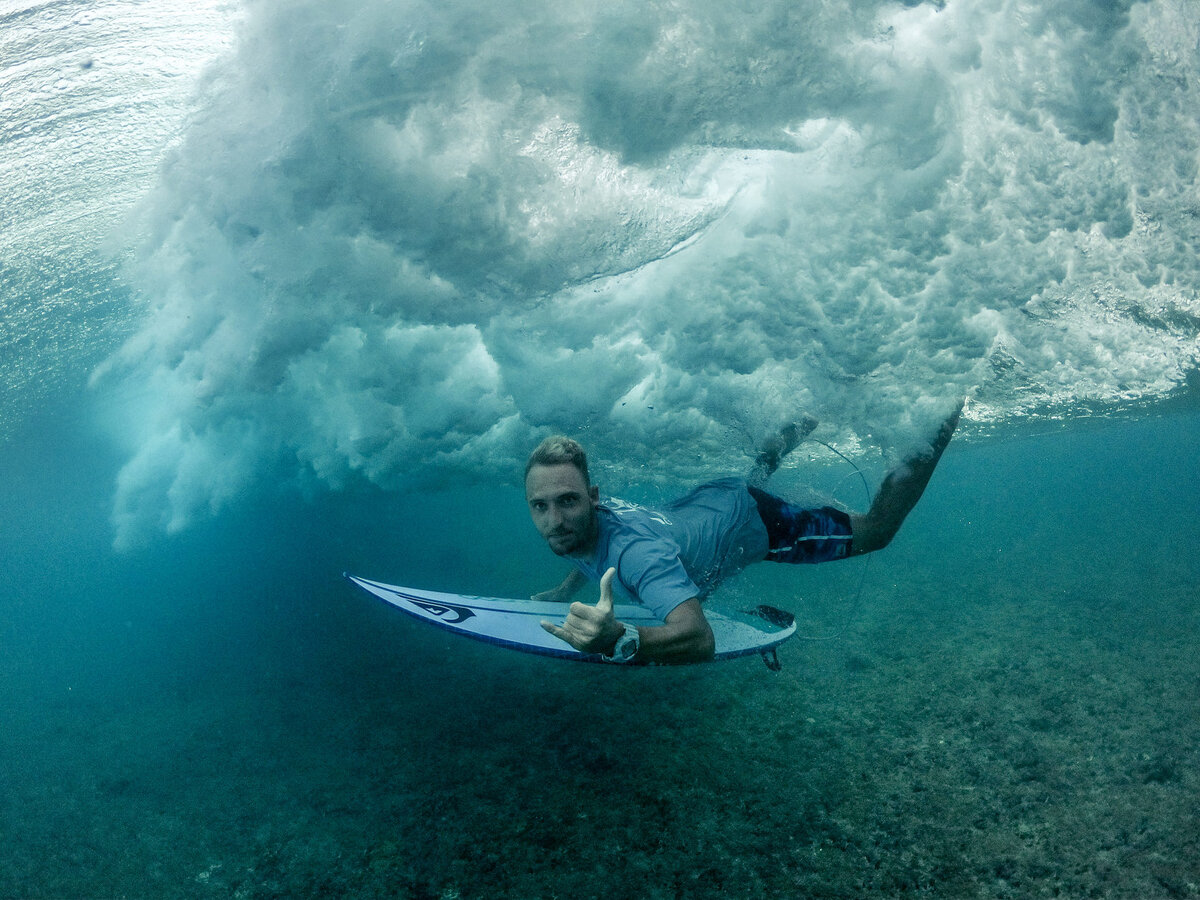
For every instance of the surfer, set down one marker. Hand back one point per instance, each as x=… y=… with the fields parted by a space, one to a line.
x=671 y=559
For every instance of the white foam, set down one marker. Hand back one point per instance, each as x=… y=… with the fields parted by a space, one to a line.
x=404 y=241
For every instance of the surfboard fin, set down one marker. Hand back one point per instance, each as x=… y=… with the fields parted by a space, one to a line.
x=780 y=619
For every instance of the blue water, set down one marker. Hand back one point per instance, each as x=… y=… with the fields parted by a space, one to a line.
x=289 y=290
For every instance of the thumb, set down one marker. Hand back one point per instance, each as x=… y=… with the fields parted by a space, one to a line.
x=606 y=594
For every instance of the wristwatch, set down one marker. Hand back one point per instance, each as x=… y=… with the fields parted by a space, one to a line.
x=627 y=646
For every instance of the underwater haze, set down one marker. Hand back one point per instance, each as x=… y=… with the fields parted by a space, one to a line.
x=290 y=288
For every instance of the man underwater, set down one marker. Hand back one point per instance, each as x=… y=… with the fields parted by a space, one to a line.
x=670 y=559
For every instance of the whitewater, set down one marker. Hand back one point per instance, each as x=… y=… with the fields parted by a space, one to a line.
x=398 y=243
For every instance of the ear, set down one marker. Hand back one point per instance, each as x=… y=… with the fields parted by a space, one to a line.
x=594 y=494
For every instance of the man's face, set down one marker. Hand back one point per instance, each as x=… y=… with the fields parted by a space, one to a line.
x=563 y=508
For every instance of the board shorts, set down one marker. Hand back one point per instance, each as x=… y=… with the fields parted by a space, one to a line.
x=796 y=534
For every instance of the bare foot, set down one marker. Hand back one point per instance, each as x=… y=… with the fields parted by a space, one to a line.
x=776 y=447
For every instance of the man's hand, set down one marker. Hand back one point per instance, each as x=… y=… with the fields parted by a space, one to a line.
x=591 y=629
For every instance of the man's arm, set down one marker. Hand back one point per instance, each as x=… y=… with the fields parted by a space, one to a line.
x=685 y=636
x=569 y=588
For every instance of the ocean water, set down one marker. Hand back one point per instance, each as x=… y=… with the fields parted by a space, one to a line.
x=289 y=289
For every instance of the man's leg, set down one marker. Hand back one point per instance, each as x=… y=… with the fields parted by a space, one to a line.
x=777 y=447
x=899 y=493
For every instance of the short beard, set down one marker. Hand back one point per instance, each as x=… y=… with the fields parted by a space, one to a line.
x=565 y=550
x=580 y=545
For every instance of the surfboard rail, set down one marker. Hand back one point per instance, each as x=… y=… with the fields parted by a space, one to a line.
x=516 y=624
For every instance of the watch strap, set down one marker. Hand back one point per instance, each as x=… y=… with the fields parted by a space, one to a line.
x=626 y=647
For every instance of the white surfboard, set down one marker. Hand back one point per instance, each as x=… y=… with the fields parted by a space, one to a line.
x=516 y=623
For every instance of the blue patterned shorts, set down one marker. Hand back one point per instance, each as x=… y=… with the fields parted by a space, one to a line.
x=799 y=535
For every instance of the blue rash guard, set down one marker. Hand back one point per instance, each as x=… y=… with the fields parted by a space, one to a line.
x=666 y=556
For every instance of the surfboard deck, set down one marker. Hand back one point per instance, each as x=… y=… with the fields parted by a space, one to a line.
x=515 y=624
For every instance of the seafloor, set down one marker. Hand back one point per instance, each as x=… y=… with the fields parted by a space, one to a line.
x=1010 y=710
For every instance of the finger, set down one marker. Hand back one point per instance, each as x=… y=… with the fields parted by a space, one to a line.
x=555 y=630
x=606 y=594
x=579 y=628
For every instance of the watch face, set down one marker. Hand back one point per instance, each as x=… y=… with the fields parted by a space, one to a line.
x=627 y=646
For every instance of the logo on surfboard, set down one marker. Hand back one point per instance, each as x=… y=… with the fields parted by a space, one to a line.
x=451 y=615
